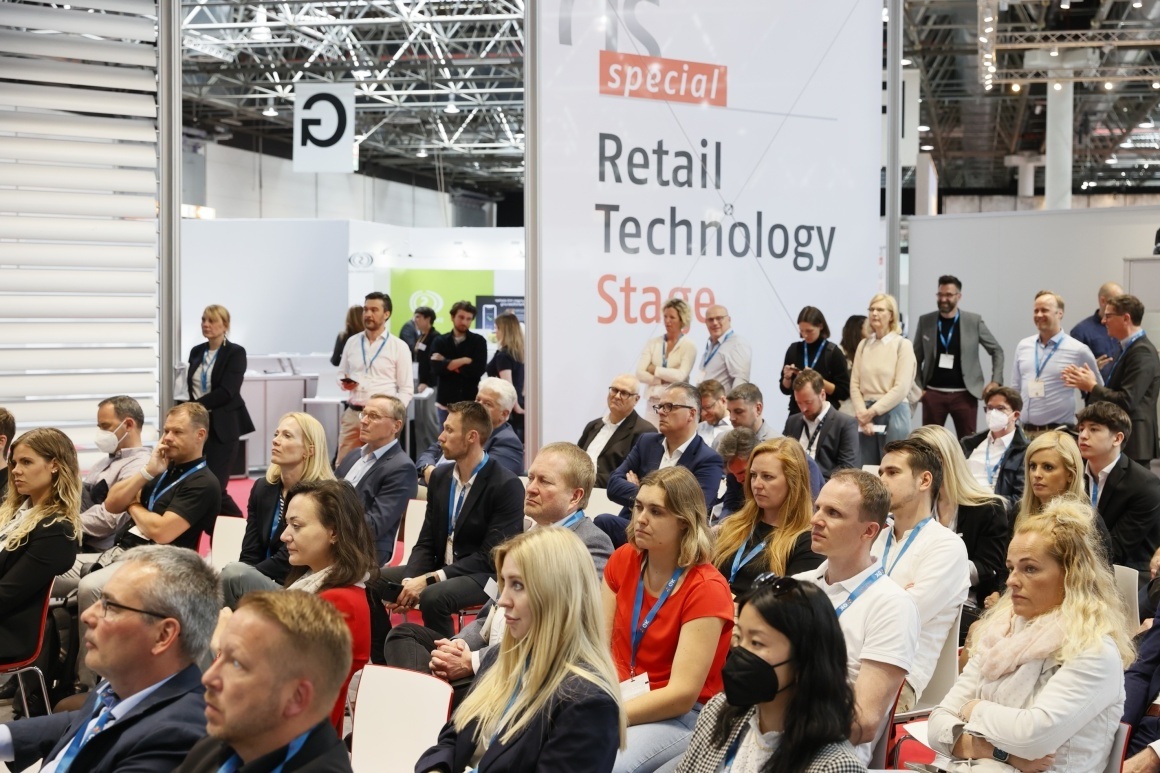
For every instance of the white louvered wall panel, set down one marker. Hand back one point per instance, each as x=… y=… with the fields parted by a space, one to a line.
x=78 y=212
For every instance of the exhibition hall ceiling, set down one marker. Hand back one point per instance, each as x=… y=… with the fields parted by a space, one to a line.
x=440 y=83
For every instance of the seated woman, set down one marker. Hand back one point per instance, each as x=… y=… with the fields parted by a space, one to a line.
x=546 y=697
x=1044 y=688
x=788 y=705
x=771 y=531
x=670 y=614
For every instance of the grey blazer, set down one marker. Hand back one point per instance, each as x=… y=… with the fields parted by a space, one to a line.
x=973 y=333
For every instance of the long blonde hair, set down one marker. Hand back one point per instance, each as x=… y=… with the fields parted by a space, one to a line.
x=1092 y=608
x=511 y=335
x=314 y=438
x=567 y=637
x=1062 y=443
x=961 y=487
x=64 y=503
x=796 y=511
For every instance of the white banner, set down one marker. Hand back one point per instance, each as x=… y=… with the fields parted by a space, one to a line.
x=723 y=152
x=324 y=128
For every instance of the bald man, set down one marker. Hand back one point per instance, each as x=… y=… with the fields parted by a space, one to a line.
x=727 y=356
x=1091 y=331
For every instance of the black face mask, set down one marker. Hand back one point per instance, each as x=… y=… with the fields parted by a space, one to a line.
x=748 y=679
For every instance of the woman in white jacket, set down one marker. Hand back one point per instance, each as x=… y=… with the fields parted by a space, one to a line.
x=667 y=359
x=1044 y=689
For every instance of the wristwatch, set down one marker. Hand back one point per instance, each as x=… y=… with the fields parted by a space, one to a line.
x=999 y=754
x=432 y=579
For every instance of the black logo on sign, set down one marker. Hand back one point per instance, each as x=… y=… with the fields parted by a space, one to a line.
x=340 y=123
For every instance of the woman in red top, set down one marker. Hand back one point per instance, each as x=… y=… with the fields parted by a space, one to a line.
x=670 y=614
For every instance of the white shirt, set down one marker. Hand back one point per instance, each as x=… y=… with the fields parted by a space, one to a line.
x=208 y=360
x=811 y=428
x=730 y=363
x=670 y=460
x=596 y=447
x=977 y=462
x=934 y=571
x=382 y=366
x=881 y=625
x=1058 y=403
x=1101 y=479
x=712 y=433
x=365 y=463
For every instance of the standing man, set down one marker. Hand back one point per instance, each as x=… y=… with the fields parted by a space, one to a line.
x=608 y=440
x=459 y=360
x=1091 y=332
x=373 y=362
x=1040 y=361
x=728 y=356
x=424 y=320
x=946 y=351
x=828 y=437
x=1135 y=377
x=714 y=412
x=7 y=433
x=995 y=456
x=745 y=406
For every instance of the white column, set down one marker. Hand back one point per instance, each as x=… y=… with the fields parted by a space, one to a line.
x=1060 y=128
x=925 y=186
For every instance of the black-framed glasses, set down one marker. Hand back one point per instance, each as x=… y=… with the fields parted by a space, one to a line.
x=621 y=393
x=664 y=409
x=105 y=604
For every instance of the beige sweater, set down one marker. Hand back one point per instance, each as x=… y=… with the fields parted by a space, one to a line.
x=883 y=372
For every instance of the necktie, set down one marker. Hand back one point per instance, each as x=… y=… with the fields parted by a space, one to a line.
x=104 y=708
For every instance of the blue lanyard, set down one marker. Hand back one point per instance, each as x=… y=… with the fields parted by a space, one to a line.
x=159 y=492
x=103 y=710
x=817 y=355
x=1127 y=345
x=1039 y=366
x=638 y=628
x=905 y=545
x=873 y=578
x=727 y=764
x=664 y=353
x=946 y=342
x=363 y=342
x=709 y=355
x=455 y=504
x=572 y=520
x=274 y=526
x=739 y=560
x=1095 y=489
x=235 y=762
x=987 y=461
x=207 y=363
x=511 y=702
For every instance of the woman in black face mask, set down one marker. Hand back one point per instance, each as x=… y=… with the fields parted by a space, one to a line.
x=787 y=704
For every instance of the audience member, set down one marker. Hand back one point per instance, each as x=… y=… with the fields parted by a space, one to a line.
x=826 y=359
x=883 y=372
x=472 y=506
x=146 y=634
x=771 y=531
x=508 y=364
x=676 y=444
x=946 y=352
x=1141 y=710
x=1044 y=686
x=1090 y=331
x=409 y=334
x=852 y=334
x=1134 y=381
x=734 y=449
x=608 y=440
x=352 y=326
x=829 y=437
x=667 y=359
x=995 y=456
x=281 y=663
x=746 y=404
x=1126 y=495
x=458 y=360
x=547 y=697
x=714 y=413
x=1053 y=466
x=728 y=357
x=1040 y=362
x=217 y=385
x=498 y=397
x=787 y=704
x=925 y=558
x=670 y=614
x=373 y=362
x=119 y=423
x=424 y=320
x=879 y=620
x=7 y=433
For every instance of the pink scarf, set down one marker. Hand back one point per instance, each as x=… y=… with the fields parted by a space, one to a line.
x=1006 y=647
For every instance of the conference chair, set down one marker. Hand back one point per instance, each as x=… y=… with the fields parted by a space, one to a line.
x=397 y=717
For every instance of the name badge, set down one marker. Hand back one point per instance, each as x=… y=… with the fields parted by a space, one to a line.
x=946 y=361
x=631 y=688
x=491 y=589
x=421 y=347
x=449 y=553
x=1035 y=388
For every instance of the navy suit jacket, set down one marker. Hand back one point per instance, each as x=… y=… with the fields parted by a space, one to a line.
x=155 y=736
x=1141 y=686
x=619 y=444
x=385 y=491
x=645 y=456
x=258 y=539
x=1135 y=386
x=228 y=417
x=503 y=445
x=838 y=446
x=323 y=752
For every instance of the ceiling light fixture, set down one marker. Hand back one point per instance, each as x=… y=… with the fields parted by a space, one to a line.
x=923 y=127
x=926 y=148
x=1064 y=5
x=1054 y=51
x=1147 y=123
x=270 y=109
x=906 y=62
x=988 y=87
x=1109 y=86
x=422 y=153
x=451 y=108
x=1057 y=86
x=1016 y=87
x=1137 y=4
x=989 y=30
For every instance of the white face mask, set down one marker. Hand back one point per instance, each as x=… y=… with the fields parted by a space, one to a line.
x=997 y=420
x=107 y=442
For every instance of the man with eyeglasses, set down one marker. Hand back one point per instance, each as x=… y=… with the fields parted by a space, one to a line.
x=147 y=632
x=995 y=456
x=676 y=444
x=727 y=357
x=608 y=440
x=715 y=422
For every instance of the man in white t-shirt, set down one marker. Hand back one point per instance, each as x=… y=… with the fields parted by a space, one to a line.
x=923 y=556
x=879 y=621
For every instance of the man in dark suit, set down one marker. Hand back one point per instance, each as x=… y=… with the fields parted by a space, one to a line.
x=1126 y=495
x=676 y=444
x=995 y=455
x=497 y=397
x=145 y=637
x=946 y=350
x=472 y=506
x=829 y=438
x=380 y=471
x=296 y=652
x=609 y=439
x=1142 y=688
x=1135 y=381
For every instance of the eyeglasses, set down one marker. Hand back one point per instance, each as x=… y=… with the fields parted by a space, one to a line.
x=946 y=296
x=621 y=393
x=105 y=604
x=778 y=584
x=664 y=409
x=371 y=416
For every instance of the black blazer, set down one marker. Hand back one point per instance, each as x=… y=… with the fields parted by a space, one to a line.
x=1009 y=480
x=832 y=366
x=1134 y=387
x=26 y=576
x=986 y=534
x=385 y=490
x=1141 y=686
x=1130 y=507
x=618 y=446
x=257 y=540
x=152 y=738
x=228 y=417
x=577 y=731
x=838 y=446
x=323 y=752
x=423 y=357
x=492 y=512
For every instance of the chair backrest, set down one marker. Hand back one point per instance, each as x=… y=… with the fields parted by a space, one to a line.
x=9 y=667
x=1128 y=584
x=226 y=545
x=416 y=512
x=1119 y=749
x=600 y=504
x=946 y=670
x=881 y=745
x=387 y=740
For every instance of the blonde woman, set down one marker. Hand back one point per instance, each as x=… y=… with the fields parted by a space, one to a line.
x=508 y=364
x=1052 y=466
x=40 y=532
x=1044 y=689
x=668 y=359
x=882 y=375
x=771 y=531
x=547 y=697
